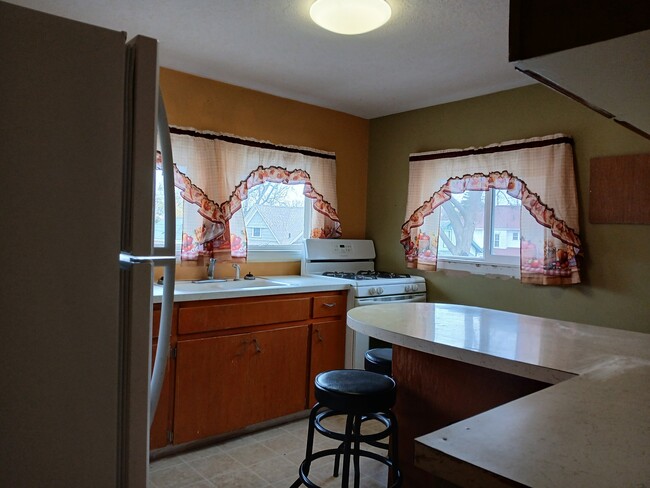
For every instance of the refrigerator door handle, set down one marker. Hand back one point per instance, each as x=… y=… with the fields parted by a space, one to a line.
x=127 y=260
x=168 y=260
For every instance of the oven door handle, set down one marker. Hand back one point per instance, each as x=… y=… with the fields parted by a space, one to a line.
x=420 y=297
x=414 y=299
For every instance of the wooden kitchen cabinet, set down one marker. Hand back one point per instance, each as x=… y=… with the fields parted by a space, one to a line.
x=161 y=426
x=158 y=435
x=241 y=312
x=243 y=361
x=226 y=383
x=327 y=350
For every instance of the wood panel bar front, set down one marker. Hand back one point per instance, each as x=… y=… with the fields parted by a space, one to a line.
x=434 y=392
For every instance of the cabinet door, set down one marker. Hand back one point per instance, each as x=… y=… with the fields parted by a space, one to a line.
x=277 y=374
x=162 y=421
x=211 y=392
x=227 y=383
x=327 y=350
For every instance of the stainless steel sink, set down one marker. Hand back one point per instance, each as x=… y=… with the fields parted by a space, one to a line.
x=223 y=285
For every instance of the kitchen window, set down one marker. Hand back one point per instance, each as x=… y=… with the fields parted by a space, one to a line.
x=250 y=199
x=277 y=218
x=479 y=233
x=506 y=209
x=159 y=214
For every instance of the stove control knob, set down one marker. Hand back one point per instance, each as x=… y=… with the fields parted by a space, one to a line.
x=371 y=291
x=380 y=290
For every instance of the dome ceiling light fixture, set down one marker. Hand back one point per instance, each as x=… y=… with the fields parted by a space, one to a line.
x=350 y=17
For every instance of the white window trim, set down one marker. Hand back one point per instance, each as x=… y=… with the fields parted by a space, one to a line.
x=484 y=269
x=491 y=264
x=274 y=256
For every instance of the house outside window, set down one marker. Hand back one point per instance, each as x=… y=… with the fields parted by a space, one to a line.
x=276 y=217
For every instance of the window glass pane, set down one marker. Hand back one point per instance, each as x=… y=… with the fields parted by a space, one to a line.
x=462 y=225
x=506 y=212
x=274 y=215
x=159 y=213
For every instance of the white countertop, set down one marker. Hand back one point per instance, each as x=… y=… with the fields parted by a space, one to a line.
x=294 y=284
x=590 y=429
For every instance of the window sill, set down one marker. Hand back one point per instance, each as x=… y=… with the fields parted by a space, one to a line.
x=256 y=256
x=502 y=271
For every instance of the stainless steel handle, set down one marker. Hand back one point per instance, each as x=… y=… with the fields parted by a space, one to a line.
x=258 y=348
x=329 y=305
x=168 y=261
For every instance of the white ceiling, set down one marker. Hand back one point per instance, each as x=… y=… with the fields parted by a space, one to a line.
x=429 y=52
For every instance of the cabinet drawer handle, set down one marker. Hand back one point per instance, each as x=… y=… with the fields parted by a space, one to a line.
x=329 y=305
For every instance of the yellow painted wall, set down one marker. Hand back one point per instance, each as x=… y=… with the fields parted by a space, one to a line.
x=205 y=104
x=616 y=280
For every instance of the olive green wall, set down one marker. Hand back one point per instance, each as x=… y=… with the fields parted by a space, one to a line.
x=616 y=280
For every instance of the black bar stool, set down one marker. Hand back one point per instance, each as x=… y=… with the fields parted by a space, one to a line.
x=379 y=360
x=359 y=395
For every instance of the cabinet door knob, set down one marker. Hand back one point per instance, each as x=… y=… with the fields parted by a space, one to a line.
x=258 y=348
x=320 y=337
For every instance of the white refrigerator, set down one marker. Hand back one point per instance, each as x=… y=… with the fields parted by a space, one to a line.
x=78 y=109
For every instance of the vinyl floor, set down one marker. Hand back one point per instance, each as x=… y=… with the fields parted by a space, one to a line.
x=265 y=459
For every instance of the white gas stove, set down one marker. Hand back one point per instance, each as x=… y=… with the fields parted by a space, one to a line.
x=353 y=261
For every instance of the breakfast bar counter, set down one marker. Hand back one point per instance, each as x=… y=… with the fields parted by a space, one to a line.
x=491 y=398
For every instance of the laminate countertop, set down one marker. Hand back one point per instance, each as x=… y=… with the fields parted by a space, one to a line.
x=590 y=428
x=186 y=291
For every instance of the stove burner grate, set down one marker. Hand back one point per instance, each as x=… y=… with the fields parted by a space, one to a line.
x=365 y=275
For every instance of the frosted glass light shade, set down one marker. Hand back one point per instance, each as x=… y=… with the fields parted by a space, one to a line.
x=350 y=16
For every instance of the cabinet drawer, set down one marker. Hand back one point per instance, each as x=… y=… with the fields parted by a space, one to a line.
x=329 y=306
x=155 y=320
x=242 y=314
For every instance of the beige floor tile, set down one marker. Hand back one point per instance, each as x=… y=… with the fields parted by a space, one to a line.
x=165 y=463
x=284 y=443
x=273 y=470
x=218 y=463
x=177 y=476
x=244 y=478
x=252 y=453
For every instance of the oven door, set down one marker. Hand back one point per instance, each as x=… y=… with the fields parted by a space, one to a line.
x=357 y=344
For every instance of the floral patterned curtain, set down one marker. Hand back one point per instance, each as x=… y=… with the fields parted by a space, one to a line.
x=537 y=171
x=214 y=173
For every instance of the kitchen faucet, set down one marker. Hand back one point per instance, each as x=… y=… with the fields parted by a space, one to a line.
x=213 y=261
x=237 y=269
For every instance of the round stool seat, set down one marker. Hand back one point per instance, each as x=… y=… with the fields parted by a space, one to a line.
x=379 y=360
x=355 y=391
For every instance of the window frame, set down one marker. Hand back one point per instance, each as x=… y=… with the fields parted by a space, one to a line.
x=490 y=263
x=282 y=253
